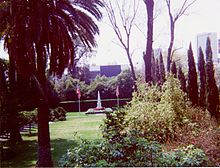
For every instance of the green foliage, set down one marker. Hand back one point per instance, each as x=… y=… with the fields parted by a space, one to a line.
x=133 y=152
x=105 y=85
x=192 y=78
x=184 y=157
x=86 y=153
x=57 y=114
x=27 y=117
x=66 y=86
x=125 y=82
x=114 y=125
x=155 y=113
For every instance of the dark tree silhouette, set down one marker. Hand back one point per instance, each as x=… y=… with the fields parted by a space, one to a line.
x=42 y=32
x=182 y=79
x=192 y=78
x=3 y=96
x=212 y=89
x=153 y=68
x=5 y=18
x=148 y=54
x=157 y=72
x=162 y=69
x=15 y=135
x=202 y=78
x=174 y=69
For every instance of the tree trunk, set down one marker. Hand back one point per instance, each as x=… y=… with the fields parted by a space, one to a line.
x=3 y=94
x=132 y=69
x=44 y=153
x=169 y=59
x=15 y=135
x=148 y=54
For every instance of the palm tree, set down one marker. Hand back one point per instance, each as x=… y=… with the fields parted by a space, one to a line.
x=13 y=127
x=41 y=36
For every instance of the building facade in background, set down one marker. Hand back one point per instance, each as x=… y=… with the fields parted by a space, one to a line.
x=106 y=70
x=215 y=44
x=219 y=46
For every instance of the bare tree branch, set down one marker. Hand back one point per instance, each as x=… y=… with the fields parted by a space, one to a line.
x=123 y=26
x=173 y=19
x=140 y=31
x=184 y=8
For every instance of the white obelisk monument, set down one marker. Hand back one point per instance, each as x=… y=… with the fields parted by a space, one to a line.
x=99 y=104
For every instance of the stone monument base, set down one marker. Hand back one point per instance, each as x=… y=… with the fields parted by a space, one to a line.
x=98 y=110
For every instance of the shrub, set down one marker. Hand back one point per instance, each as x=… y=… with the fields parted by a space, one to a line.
x=163 y=115
x=133 y=152
x=114 y=126
x=85 y=153
x=184 y=157
x=27 y=117
x=156 y=112
x=57 y=114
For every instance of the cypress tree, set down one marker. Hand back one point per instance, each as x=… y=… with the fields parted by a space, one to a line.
x=182 y=79
x=153 y=68
x=162 y=69
x=211 y=89
x=173 y=69
x=157 y=72
x=192 y=78
x=202 y=78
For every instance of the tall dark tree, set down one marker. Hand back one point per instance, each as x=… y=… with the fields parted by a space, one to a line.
x=182 y=79
x=212 y=89
x=5 y=18
x=162 y=69
x=157 y=72
x=174 y=69
x=15 y=135
x=153 y=68
x=3 y=95
x=42 y=32
x=148 y=54
x=192 y=78
x=202 y=79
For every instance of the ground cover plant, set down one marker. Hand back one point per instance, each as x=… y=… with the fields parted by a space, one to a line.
x=133 y=152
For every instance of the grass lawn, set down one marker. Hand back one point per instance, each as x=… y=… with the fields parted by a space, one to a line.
x=62 y=135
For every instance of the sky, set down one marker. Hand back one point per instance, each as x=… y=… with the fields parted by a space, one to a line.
x=202 y=17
